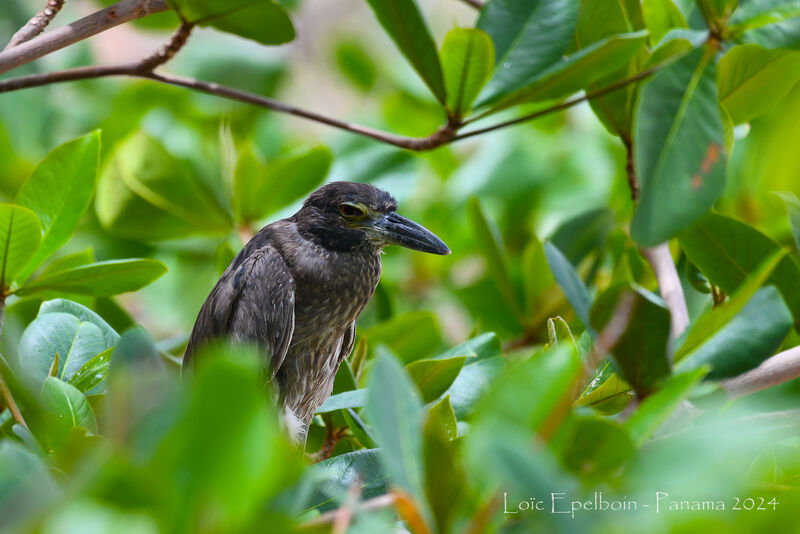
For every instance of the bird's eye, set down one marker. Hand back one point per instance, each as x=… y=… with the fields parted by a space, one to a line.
x=351 y=211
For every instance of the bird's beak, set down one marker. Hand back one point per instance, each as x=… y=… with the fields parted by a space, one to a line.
x=395 y=229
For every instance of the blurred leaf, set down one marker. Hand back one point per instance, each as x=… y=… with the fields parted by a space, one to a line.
x=346 y=399
x=59 y=192
x=656 y=408
x=445 y=480
x=223 y=256
x=529 y=36
x=68 y=404
x=144 y=193
x=727 y=250
x=660 y=17
x=610 y=397
x=757 y=13
x=579 y=70
x=442 y=416
x=412 y=336
x=793 y=210
x=93 y=372
x=260 y=20
x=641 y=350
x=433 y=377
x=569 y=281
x=579 y=236
x=536 y=276
x=70 y=261
x=597 y=446
x=558 y=331
x=395 y=412
x=781 y=34
x=467 y=61
x=715 y=319
x=752 y=79
x=259 y=191
x=490 y=245
x=678 y=148
x=481 y=347
x=356 y=64
x=26 y=485
x=358 y=467
x=404 y=23
x=20 y=234
x=752 y=336
x=100 y=279
x=74 y=332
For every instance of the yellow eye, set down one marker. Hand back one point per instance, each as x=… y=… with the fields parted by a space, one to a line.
x=352 y=211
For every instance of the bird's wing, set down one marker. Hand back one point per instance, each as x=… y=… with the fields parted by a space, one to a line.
x=348 y=339
x=253 y=301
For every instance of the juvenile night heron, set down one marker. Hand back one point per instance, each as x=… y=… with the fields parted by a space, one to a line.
x=297 y=287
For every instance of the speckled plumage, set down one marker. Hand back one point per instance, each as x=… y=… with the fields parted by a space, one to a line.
x=296 y=289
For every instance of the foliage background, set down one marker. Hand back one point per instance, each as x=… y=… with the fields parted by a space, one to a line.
x=209 y=457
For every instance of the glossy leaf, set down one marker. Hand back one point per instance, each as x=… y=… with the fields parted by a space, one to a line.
x=404 y=23
x=656 y=408
x=346 y=399
x=467 y=60
x=679 y=149
x=727 y=250
x=751 y=79
x=758 y=13
x=570 y=282
x=76 y=333
x=442 y=415
x=93 y=372
x=610 y=397
x=660 y=17
x=749 y=338
x=100 y=279
x=260 y=20
x=361 y=467
x=434 y=376
x=529 y=36
x=68 y=404
x=395 y=412
x=59 y=191
x=20 y=234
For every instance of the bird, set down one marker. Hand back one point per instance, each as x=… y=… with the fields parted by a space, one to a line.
x=297 y=287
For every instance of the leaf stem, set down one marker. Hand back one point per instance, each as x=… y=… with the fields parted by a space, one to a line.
x=4 y=389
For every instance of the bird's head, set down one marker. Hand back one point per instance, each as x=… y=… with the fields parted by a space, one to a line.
x=347 y=216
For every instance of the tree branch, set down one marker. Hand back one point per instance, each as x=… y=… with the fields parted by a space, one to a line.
x=37 y=24
x=120 y=13
x=5 y=392
x=477 y=4
x=669 y=285
x=778 y=369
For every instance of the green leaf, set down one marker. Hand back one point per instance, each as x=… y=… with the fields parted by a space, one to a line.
x=146 y=194
x=395 y=412
x=579 y=70
x=358 y=468
x=442 y=416
x=482 y=347
x=679 y=149
x=26 y=484
x=259 y=190
x=656 y=408
x=491 y=247
x=467 y=60
x=570 y=282
x=260 y=20
x=59 y=191
x=558 y=332
x=356 y=64
x=70 y=261
x=76 y=333
x=433 y=377
x=472 y=383
x=93 y=372
x=68 y=404
x=749 y=338
x=711 y=322
x=536 y=273
x=20 y=234
x=641 y=351
x=758 y=13
x=793 y=210
x=727 y=250
x=101 y=279
x=660 y=17
x=445 y=479
x=610 y=397
x=752 y=79
x=597 y=446
x=529 y=36
x=403 y=22
x=412 y=336
x=347 y=399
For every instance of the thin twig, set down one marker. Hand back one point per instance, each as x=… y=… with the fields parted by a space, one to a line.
x=477 y=4
x=120 y=13
x=5 y=392
x=630 y=169
x=778 y=369
x=37 y=24
x=669 y=285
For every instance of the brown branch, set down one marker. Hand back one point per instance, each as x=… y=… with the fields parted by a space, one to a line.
x=120 y=13
x=778 y=369
x=37 y=24
x=477 y=4
x=5 y=392
x=669 y=285
x=376 y=503
x=630 y=170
